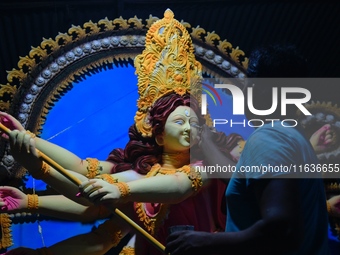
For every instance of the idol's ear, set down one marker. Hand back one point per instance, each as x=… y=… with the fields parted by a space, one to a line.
x=159 y=140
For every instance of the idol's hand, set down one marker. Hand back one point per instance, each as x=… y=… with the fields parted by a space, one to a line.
x=12 y=200
x=100 y=192
x=24 y=151
x=323 y=138
x=10 y=122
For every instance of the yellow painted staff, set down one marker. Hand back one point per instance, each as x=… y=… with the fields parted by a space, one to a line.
x=76 y=181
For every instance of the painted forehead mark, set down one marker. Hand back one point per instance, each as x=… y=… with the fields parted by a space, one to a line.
x=187 y=113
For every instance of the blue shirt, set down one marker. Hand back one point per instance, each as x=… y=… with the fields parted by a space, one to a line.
x=276 y=152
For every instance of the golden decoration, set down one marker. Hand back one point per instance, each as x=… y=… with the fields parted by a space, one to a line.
x=49 y=43
x=197 y=32
x=93 y=167
x=210 y=38
x=106 y=23
x=236 y=54
x=325 y=107
x=137 y=22
x=194 y=176
x=245 y=62
x=26 y=61
x=151 y=223
x=4 y=105
x=127 y=250
x=94 y=29
x=121 y=22
x=18 y=74
x=123 y=188
x=32 y=202
x=37 y=51
x=6 y=237
x=333 y=187
x=224 y=46
x=11 y=90
x=64 y=37
x=77 y=30
x=166 y=65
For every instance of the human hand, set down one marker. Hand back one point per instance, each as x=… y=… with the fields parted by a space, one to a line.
x=334 y=203
x=100 y=192
x=10 y=122
x=323 y=139
x=23 y=150
x=187 y=242
x=207 y=134
x=22 y=251
x=12 y=199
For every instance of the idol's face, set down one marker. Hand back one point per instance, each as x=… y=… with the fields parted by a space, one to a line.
x=179 y=135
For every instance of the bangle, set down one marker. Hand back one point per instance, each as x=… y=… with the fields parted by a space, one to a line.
x=44 y=251
x=30 y=133
x=92 y=167
x=32 y=202
x=127 y=250
x=108 y=178
x=123 y=189
x=329 y=208
x=44 y=171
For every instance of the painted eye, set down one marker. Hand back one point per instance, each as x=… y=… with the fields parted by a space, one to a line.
x=179 y=122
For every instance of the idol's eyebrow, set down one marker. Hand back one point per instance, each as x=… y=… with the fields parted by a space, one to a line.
x=179 y=114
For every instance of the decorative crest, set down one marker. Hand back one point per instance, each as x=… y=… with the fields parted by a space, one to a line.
x=166 y=65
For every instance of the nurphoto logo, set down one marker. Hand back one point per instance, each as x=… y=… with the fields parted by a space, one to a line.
x=281 y=97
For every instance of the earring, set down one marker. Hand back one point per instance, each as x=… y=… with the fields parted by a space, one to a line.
x=159 y=140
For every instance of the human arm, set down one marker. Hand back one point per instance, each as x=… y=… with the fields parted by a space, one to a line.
x=275 y=232
x=213 y=156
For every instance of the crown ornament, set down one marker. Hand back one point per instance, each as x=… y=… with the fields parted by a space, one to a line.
x=166 y=65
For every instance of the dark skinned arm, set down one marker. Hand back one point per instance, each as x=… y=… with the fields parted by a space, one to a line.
x=213 y=155
x=275 y=233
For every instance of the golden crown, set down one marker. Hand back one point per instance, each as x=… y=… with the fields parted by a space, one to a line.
x=166 y=65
